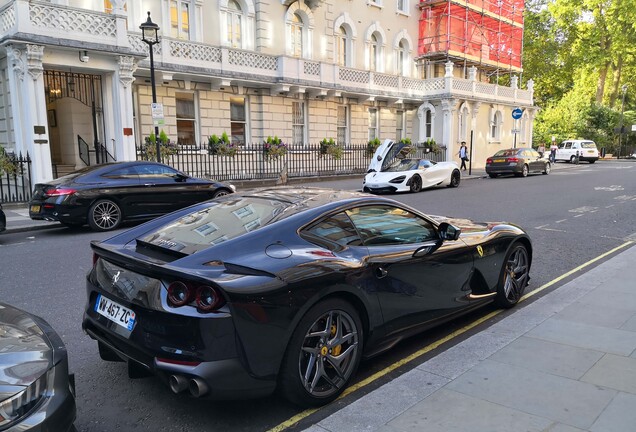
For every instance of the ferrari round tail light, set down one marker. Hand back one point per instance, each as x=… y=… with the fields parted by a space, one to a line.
x=179 y=294
x=207 y=298
x=489 y=160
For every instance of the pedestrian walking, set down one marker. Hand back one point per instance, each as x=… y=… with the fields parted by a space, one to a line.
x=463 y=155
x=541 y=149
x=553 y=150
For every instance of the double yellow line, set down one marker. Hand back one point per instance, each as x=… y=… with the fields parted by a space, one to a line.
x=298 y=417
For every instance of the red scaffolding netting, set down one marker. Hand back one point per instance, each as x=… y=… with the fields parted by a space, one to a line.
x=487 y=32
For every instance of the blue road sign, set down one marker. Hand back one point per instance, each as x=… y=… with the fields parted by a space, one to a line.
x=517 y=113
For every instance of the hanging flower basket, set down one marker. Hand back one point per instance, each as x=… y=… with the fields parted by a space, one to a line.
x=274 y=148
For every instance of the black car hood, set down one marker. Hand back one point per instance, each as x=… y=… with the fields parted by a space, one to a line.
x=25 y=349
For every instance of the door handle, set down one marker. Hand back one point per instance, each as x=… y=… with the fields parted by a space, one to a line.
x=381 y=272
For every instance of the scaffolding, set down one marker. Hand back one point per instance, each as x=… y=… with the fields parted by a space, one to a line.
x=487 y=34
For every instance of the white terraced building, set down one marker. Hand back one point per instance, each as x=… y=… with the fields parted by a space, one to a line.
x=301 y=70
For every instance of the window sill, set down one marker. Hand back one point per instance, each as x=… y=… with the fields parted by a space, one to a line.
x=377 y=5
x=403 y=13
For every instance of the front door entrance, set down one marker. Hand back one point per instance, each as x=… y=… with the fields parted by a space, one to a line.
x=75 y=120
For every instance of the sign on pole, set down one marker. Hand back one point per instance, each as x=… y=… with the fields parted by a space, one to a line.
x=157 y=114
x=517 y=113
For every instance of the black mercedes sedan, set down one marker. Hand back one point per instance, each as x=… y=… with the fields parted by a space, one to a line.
x=517 y=161
x=103 y=196
x=288 y=289
x=36 y=391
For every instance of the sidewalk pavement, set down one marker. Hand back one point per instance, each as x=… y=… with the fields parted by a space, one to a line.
x=565 y=363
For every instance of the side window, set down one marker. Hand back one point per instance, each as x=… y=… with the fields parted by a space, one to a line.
x=387 y=225
x=334 y=233
x=122 y=173
x=155 y=171
x=568 y=145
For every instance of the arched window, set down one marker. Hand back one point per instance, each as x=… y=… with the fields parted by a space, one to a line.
x=296 y=36
x=342 y=47
x=374 y=53
x=237 y=23
x=463 y=124
x=495 y=126
x=428 y=124
x=234 y=24
x=400 y=57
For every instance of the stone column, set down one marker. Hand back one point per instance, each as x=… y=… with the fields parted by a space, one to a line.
x=449 y=106
x=123 y=109
x=29 y=107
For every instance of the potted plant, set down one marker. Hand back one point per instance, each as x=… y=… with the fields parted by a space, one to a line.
x=431 y=145
x=7 y=166
x=373 y=145
x=221 y=146
x=329 y=147
x=166 y=147
x=273 y=148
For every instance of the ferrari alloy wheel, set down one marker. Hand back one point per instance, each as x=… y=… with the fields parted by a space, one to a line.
x=547 y=169
x=104 y=215
x=416 y=183
x=455 y=179
x=323 y=354
x=514 y=276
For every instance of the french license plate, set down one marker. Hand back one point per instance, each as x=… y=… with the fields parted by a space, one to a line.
x=115 y=312
x=499 y=160
x=35 y=208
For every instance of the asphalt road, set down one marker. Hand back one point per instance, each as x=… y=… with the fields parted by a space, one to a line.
x=572 y=216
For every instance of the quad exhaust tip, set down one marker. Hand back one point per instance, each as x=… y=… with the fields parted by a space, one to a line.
x=178 y=383
x=198 y=387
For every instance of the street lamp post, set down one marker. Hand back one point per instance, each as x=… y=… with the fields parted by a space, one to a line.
x=620 y=133
x=149 y=31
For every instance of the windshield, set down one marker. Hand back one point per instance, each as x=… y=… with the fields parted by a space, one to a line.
x=588 y=144
x=402 y=165
x=218 y=222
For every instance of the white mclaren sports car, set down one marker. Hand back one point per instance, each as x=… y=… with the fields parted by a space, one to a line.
x=391 y=170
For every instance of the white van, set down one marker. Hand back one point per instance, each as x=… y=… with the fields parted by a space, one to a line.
x=586 y=150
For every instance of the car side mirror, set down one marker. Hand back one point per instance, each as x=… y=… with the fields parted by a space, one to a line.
x=180 y=177
x=448 y=231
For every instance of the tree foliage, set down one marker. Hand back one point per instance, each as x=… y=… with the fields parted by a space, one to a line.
x=581 y=55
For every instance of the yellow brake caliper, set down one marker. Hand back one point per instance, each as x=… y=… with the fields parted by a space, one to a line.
x=337 y=349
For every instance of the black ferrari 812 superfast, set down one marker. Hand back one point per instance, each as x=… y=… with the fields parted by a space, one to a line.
x=288 y=289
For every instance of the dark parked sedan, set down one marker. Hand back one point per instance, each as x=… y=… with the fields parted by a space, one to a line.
x=288 y=289
x=36 y=392
x=517 y=161
x=103 y=196
x=3 y=220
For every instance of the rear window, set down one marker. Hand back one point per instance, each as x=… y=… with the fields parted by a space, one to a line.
x=509 y=152
x=218 y=222
x=588 y=144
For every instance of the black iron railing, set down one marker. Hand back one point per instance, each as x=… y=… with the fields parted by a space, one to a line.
x=253 y=163
x=15 y=179
x=84 y=152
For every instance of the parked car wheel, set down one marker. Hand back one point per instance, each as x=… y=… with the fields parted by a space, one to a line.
x=220 y=193
x=592 y=161
x=323 y=354
x=492 y=175
x=572 y=159
x=548 y=168
x=104 y=215
x=455 y=179
x=524 y=171
x=514 y=276
x=416 y=184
